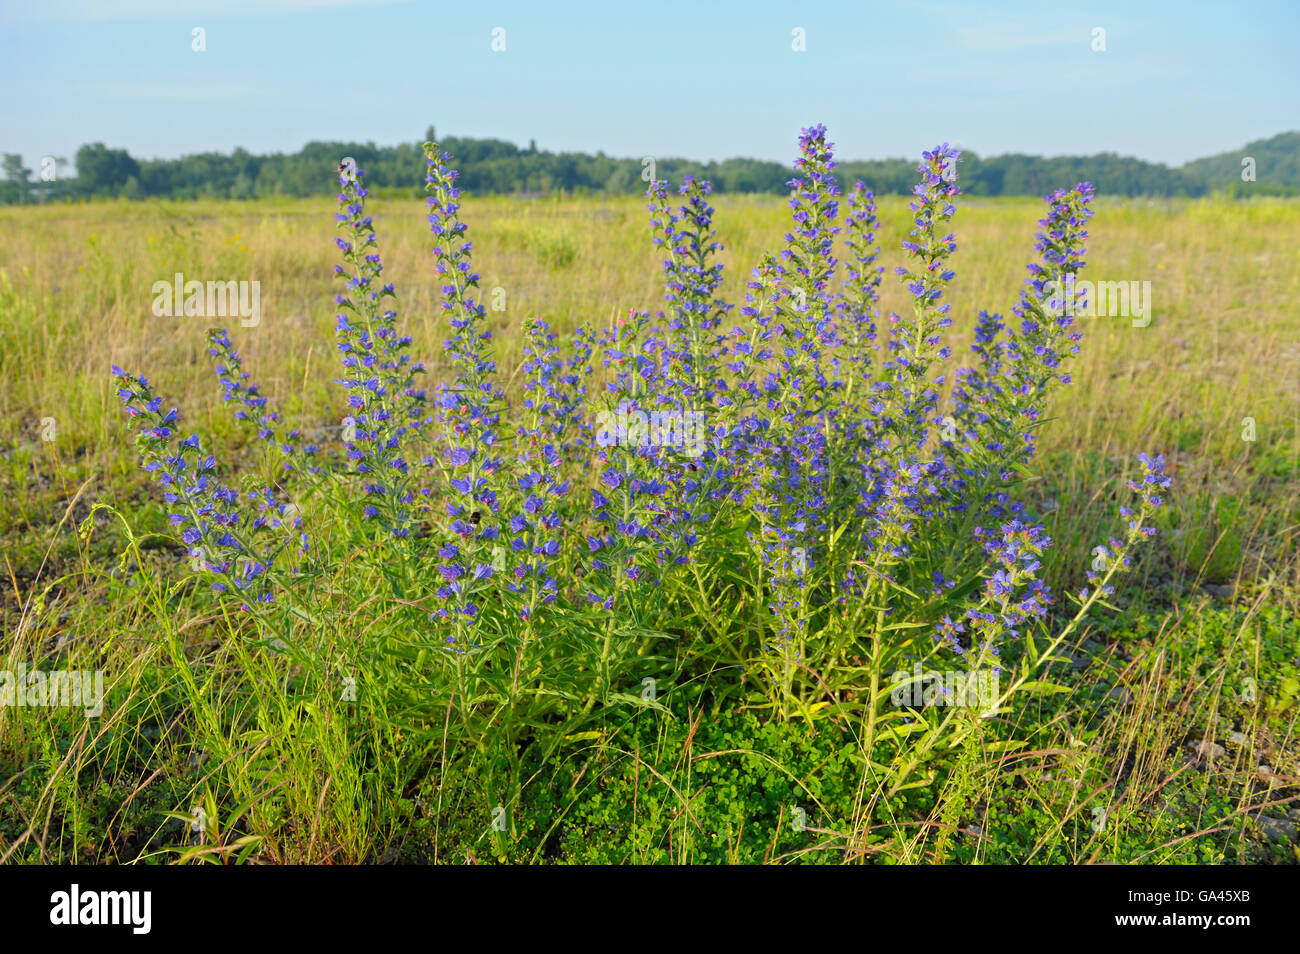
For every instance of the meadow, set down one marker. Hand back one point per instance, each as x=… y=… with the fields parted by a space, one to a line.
x=1162 y=730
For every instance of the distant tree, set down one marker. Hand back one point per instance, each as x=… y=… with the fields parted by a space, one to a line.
x=103 y=171
x=1275 y=163
x=18 y=174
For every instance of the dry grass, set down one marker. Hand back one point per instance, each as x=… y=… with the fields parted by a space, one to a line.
x=75 y=296
x=1223 y=344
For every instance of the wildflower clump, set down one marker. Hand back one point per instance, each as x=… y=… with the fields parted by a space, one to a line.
x=775 y=496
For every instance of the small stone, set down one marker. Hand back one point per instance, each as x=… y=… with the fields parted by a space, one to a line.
x=1121 y=695
x=1207 y=750
x=1239 y=738
x=1218 y=590
x=1275 y=829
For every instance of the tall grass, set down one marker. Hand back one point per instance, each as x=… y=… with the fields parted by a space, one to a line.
x=336 y=728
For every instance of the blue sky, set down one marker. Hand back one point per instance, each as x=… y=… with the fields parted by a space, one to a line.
x=706 y=80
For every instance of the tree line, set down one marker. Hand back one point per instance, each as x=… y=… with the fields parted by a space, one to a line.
x=496 y=166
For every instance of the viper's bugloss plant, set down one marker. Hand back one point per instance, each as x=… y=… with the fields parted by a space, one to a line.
x=384 y=406
x=537 y=524
x=816 y=490
x=236 y=539
x=469 y=415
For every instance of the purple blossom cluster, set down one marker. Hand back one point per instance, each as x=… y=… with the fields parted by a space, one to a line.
x=1016 y=372
x=237 y=541
x=250 y=405
x=469 y=411
x=833 y=469
x=385 y=407
x=537 y=522
x=1117 y=554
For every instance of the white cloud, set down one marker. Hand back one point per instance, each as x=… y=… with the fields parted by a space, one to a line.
x=1002 y=39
